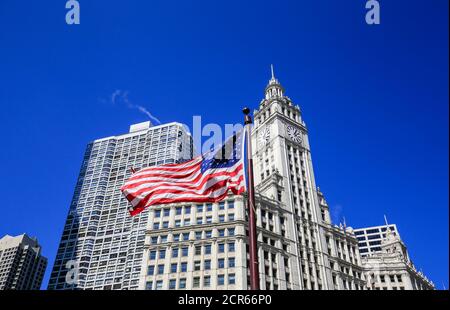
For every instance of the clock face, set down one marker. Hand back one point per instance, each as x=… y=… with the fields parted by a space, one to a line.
x=294 y=134
x=264 y=136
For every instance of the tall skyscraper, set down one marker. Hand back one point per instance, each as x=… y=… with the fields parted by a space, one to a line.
x=204 y=246
x=319 y=255
x=102 y=246
x=22 y=266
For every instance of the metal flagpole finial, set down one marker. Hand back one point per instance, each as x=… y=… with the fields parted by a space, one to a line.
x=385 y=220
x=273 y=74
x=248 y=118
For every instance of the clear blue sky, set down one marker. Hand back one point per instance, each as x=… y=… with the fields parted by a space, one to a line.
x=375 y=98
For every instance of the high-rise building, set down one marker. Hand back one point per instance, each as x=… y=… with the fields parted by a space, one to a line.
x=204 y=246
x=22 y=265
x=102 y=246
x=387 y=264
x=369 y=239
x=319 y=255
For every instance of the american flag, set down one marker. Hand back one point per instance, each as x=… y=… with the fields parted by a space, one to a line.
x=206 y=178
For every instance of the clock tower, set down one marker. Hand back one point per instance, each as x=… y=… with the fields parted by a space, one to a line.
x=283 y=173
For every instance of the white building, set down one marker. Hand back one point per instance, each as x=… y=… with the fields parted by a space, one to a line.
x=99 y=234
x=388 y=266
x=22 y=265
x=369 y=239
x=298 y=247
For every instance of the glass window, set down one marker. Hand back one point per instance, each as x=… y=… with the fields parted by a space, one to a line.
x=220 y=279
x=230 y=231
x=160 y=269
x=221 y=232
x=231 y=204
x=231 y=247
x=221 y=247
x=159 y=285
x=197 y=265
x=182 y=283
x=162 y=254
x=208 y=249
x=175 y=252
x=172 y=284
x=222 y=206
x=231 y=217
x=198 y=235
x=155 y=225
x=221 y=218
x=207 y=264
x=221 y=263
x=157 y=213
x=184 y=251
x=187 y=210
x=196 y=282
x=166 y=212
x=209 y=207
x=173 y=268
x=231 y=279
x=183 y=267
x=199 y=208
x=207 y=281
x=231 y=262
x=149 y=285
x=179 y=210
x=152 y=255
x=151 y=270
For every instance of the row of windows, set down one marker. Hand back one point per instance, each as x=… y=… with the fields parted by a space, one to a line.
x=187 y=209
x=187 y=222
x=199 y=235
x=183 y=266
x=158 y=285
x=184 y=251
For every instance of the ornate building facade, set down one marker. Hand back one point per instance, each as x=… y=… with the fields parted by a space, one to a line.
x=318 y=254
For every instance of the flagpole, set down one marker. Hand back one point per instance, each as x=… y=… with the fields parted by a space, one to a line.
x=254 y=272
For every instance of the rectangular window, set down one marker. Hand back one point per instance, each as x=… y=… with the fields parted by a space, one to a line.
x=231 y=279
x=152 y=255
x=151 y=270
x=162 y=254
x=221 y=247
x=183 y=267
x=231 y=247
x=175 y=252
x=173 y=268
x=207 y=249
x=221 y=263
x=208 y=234
x=199 y=208
x=207 y=281
x=184 y=251
x=159 y=285
x=166 y=212
x=179 y=210
x=157 y=213
x=221 y=218
x=172 y=284
x=198 y=250
x=198 y=235
x=222 y=206
x=221 y=232
x=196 y=282
x=231 y=262
x=207 y=264
x=209 y=207
x=220 y=279
x=231 y=217
x=149 y=285
x=197 y=265
x=156 y=226
x=187 y=210
x=182 y=284
x=231 y=204
x=160 y=269
x=230 y=231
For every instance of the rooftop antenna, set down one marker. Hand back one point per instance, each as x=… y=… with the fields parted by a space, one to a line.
x=385 y=220
x=273 y=74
